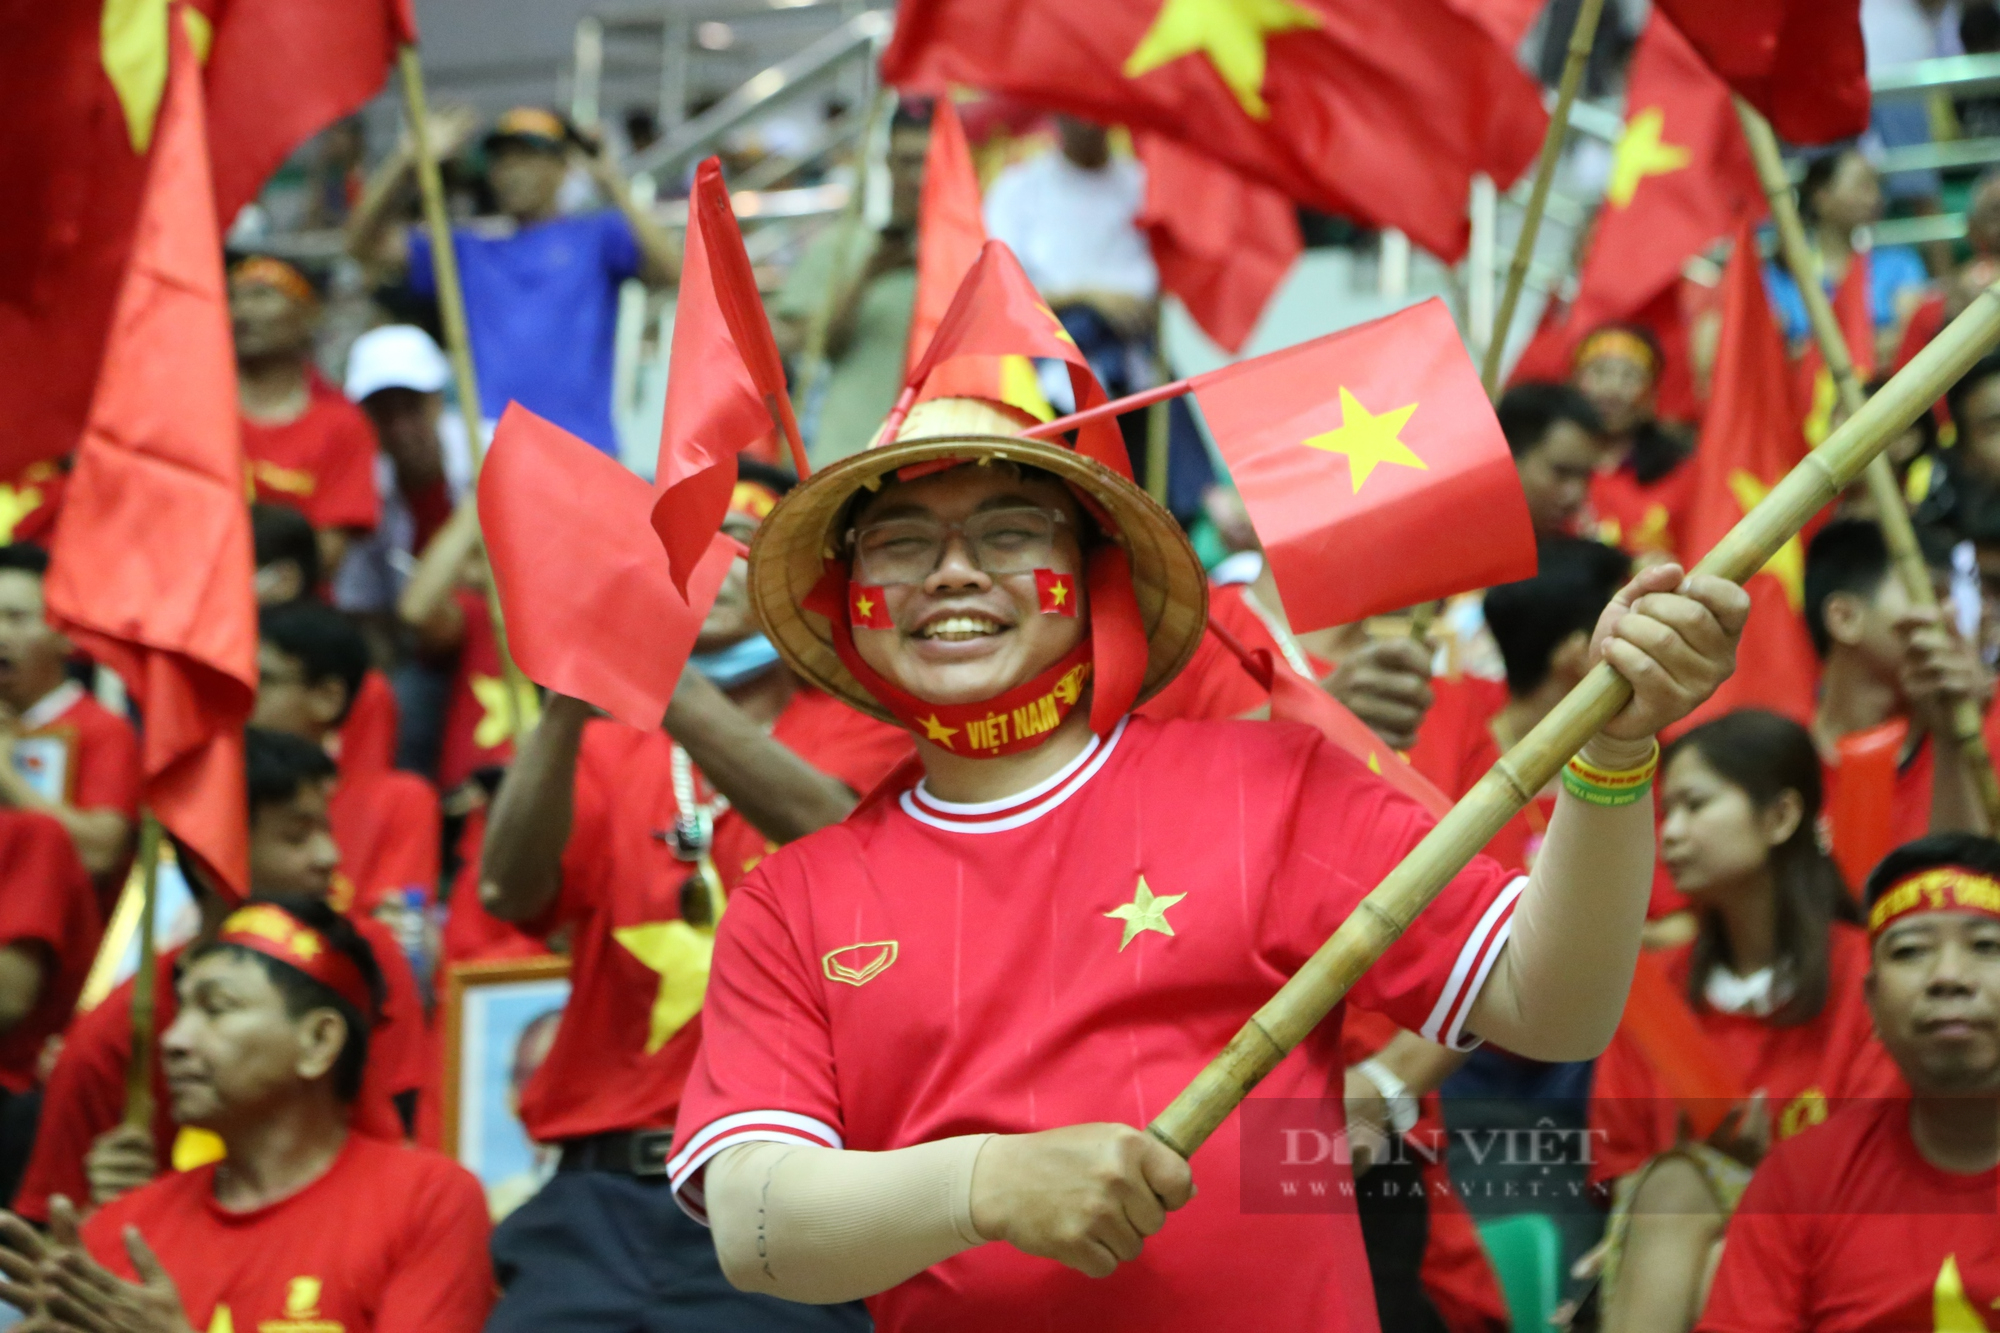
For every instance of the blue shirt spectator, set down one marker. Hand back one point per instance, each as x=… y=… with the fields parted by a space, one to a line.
x=1892 y=270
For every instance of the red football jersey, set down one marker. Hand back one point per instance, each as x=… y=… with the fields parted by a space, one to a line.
x=86 y=1093
x=389 y=830
x=389 y=1240
x=50 y=908
x=97 y=752
x=1847 y=1229
x=637 y=969
x=1638 y=519
x=475 y=721
x=1079 y=953
x=321 y=462
x=368 y=736
x=1801 y=1069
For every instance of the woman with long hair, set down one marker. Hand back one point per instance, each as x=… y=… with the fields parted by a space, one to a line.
x=1773 y=977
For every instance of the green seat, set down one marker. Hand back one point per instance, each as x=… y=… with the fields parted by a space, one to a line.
x=1526 y=1250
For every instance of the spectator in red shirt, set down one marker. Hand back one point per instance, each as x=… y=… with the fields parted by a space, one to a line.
x=305 y=1225
x=306 y=445
x=61 y=753
x=1883 y=1217
x=1557 y=439
x=287 y=554
x=1637 y=499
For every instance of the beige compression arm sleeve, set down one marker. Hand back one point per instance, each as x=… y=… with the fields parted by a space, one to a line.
x=821 y=1225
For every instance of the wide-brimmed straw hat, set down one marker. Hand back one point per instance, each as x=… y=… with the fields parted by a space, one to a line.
x=789 y=554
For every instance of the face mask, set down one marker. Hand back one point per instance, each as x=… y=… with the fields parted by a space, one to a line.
x=742 y=661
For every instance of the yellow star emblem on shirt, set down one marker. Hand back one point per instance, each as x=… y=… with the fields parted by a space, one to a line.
x=1231 y=33
x=1641 y=153
x=1788 y=566
x=1146 y=911
x=680 y=954
x=501 y=709
x=936 y=732
x=1368 y=439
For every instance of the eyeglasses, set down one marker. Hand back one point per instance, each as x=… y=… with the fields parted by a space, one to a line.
x=1000 y=541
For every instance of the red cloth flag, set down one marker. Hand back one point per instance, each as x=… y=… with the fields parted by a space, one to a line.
x=868 y=607
x=591 y=607
x=1812 y=380
x=151 y=565
x=1055 y=594
x=1751 y=438
x=1223 y=243
x=1698 y=1076
x=1861 y=805
x=724 y=379
x=1378 y=112
x=1800 y=62
x=1372 y=468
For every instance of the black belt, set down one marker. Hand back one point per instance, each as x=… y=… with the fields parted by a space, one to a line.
x=632 y=1152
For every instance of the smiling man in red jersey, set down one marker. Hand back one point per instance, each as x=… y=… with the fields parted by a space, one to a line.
x=933 y=1027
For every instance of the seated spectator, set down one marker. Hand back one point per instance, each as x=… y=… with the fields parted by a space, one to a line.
x=1638 y=497
x=1774 y=977
x=305 y=1225
x=1882 y=1218
x=310 y=665
x=305 y=445
x=287 y=554
x=62 y=753
x=84 y=1150
x=1557 y=439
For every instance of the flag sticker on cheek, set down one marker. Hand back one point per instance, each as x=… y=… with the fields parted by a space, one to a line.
x=867 y=608
x=1055 y=593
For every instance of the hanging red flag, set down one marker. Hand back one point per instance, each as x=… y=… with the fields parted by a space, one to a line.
x=1800 y=62
x=1378 y=112
x=1751 y=438
x=725 y=383
x=1372 y=468
x=151 y=566
x=1222 y=242
x=591 y=609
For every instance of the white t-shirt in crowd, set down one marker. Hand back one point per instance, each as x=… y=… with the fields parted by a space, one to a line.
x=1073 y=230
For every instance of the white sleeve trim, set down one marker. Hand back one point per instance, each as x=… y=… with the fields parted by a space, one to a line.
x=684 y=1167
x=1475 y=960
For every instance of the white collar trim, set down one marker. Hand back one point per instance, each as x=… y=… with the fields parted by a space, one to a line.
x=1011 y=812
x=51 y=706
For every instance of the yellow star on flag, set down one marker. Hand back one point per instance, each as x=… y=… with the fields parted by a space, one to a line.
x=132 y=46
x=1951 y=1310
x=1231 y=33
x=500 y=708
x=1146 y=911
x=680 y=954
x=865 y=605
x=1367 y=439
x=936 y=732
x=16 y=505
x=1788 y=566
x=1056 y=320
x=1059 y=593
x=1641 y=153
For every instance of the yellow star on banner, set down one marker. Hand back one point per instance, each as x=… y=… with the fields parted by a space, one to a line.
x=1788 y=566
x=1020 y=387
x=222 y=1323
x=132 y=42
x=680 y=954
x=496 y=720
x=16 y=505
x=1056 y=320
x=1231 y=33
x=1641 y=153
x=865 y=605
x=1146 y=911
x=1819 y=417
x=1367 y=439
x=1951 y=1310
x=937 y=733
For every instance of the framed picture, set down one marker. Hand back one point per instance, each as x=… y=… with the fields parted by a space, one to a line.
x=500 y=1019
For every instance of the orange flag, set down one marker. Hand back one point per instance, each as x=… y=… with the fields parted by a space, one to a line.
x=1751 y=438
x=1222 y=242
x=1372 y=468
x=591 y=608
x=725 y=383
x=151 y=566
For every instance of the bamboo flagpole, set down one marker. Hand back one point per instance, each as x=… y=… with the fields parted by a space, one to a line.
x=139 y=1072
x=1890 y=511
x=1580 y=39
x=1524 y=770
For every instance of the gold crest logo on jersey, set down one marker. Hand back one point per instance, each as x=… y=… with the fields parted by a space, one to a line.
x=302 y=1314
x=858 y=964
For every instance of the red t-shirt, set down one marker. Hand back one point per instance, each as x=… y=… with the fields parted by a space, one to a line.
x=30 y=501
x=637 y=969
x=1214 y=683
x=50 y=909
x=86 y=1093
x=1848 y=1229
x=389 y=1240
x=1801 y=1069
x=93 y=753
x=368 y=736
x=476 y=716
x=389 y=830
x=321 y=463
x=471 y=933
x=1638 y=519
x=1079 y=953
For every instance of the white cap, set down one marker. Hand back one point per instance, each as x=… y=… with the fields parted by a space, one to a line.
x=395 y=356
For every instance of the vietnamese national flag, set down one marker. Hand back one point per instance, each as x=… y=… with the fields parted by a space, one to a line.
x=151 y=564
x=1222 y=242
x=1381 y=112
x=591 y=609
x=1751 y=438
x=1800 y=62
x=724 y=379
x=1372 y=468
x=1055 y=594
x=868 y=607
x=1818 y=396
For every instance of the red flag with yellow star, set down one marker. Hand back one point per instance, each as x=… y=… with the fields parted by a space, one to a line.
x=1750 y=438
x=1800 y=62
x=1222 y=242
x=1372 y=468
x=1382 y=112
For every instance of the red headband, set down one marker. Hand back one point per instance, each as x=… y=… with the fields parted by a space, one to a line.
x=278 y=274
x=275 y=933
x=1938 y=889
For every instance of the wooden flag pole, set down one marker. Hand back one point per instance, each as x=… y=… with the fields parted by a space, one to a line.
x=1580 y=39
x=139 y=1071
x=1898 y=534
x=1527 y=768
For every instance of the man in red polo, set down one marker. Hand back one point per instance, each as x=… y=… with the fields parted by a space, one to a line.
x=983 y=979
